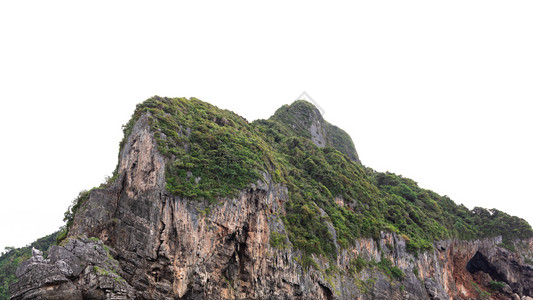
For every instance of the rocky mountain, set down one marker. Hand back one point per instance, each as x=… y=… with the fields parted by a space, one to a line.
x=205 y=205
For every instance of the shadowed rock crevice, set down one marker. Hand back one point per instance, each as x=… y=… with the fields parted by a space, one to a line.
x=479 y=263
x=244 y=260
x=326 y=292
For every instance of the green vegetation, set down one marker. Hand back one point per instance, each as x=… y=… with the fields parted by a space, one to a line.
x=416 y=272
x=297 y=118
x=277 y=240
x=384 y=265
x=357 y=265
x=61 y=235
x=481 y=293
x=308 y=261
x=507 y=245
x=425 y=216
x=71 y=213
x=109 y=272
x=214 y=153
x=497 y=285
x=73 y=208
x=10 y=261
x=101 y=271
x=110 y=266
x=388 y=269
x=79 y=202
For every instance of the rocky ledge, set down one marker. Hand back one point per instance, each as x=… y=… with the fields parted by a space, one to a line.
x=80 y=269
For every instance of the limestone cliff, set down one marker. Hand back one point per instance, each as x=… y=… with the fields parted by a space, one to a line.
x=163 y=246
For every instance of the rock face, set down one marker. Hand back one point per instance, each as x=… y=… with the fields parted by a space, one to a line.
x=166 y=247
x=81 y=269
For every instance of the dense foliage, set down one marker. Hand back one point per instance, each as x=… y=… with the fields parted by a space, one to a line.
x=10 y=261
x=301 y=115
x=215 y=153
x=425 y=216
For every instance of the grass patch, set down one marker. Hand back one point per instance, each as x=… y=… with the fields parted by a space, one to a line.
x=389 y=269
x=497 y=285
x=277 y=240
x=507 y=246
x=481 y=294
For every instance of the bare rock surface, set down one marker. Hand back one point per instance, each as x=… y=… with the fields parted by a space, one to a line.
x=81 y=269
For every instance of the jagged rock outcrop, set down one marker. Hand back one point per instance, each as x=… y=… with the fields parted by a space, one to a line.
x=168 y=247
x=80 y=269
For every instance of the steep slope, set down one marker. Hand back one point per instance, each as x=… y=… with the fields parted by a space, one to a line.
x=204 y=205
x=303 y=119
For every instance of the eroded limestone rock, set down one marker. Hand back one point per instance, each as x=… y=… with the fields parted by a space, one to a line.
x=81 y=269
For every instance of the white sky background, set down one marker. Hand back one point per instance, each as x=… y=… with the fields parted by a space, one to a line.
x=438 y=91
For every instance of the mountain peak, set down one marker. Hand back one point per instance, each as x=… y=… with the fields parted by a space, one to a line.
x=304 y=119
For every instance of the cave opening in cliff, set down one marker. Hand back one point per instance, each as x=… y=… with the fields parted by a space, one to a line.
x=480 y=263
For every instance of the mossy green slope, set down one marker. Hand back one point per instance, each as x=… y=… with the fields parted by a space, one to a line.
x=297 y=118
x=215 y=153
x=212 y=152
